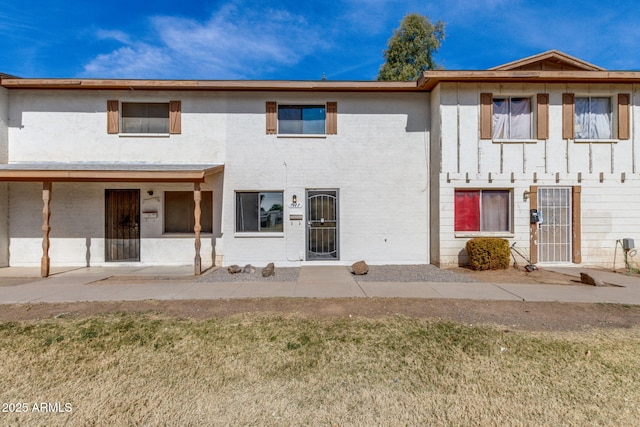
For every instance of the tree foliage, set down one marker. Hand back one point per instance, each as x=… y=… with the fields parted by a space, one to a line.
x=411 y=49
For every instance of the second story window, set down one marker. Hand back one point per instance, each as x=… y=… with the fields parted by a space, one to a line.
x=512 y=118
x=301 y=119
x=144 y=118
x=593 y=118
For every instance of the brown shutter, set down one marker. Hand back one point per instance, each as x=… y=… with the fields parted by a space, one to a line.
x=568 y=121
x=623 y=116
x=332 y=118
x=576 y=224
x=543 y=116
x=175 y=119
x=272 y=118
x=113 y=116
x=486 y=113
x=533 y=242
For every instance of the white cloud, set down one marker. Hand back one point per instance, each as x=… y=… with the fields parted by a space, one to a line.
x=233 y=44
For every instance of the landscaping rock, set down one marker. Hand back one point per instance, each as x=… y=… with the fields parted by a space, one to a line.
x=269 y=270
x=249 y=269
x=360 y=268
x=591 y=280
x=233 y=269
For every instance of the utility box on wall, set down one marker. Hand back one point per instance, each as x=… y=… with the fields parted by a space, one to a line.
x=628 y=244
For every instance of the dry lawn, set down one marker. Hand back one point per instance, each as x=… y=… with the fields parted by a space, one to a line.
x=268 y=369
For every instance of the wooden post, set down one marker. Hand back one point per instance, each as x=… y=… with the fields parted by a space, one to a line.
x=197 y=198
x=576 y=225
x=46 y=228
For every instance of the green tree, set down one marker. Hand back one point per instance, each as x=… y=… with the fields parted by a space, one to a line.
x=411 y=49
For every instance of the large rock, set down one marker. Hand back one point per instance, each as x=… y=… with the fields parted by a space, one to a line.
x=588 y=279
x=249 y=269
x=269 y=270
x=233 y=269
x=360 y=268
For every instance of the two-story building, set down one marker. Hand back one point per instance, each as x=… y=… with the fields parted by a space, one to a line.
x=541 y=151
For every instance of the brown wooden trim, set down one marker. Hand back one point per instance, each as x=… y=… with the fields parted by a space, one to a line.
x=272 y=118
x=486 y=113
x=45 y=261
x=568 y=111
x=542 y=131
x=197 y=213
x=332 y=118
x=533 y=227
x=623 y=116
x=175 y=117
x=576 y=224
x=113 y=116
x=108 y=176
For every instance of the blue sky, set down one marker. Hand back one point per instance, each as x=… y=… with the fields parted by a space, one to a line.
x=297 y=39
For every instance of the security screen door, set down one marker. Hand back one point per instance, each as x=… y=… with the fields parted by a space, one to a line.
x=554 y=233
x=322 y=225
x=122 y=225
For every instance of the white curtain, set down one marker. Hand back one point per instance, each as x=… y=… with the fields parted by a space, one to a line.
x=511 y=118
x=495 y=210
x=593 y=118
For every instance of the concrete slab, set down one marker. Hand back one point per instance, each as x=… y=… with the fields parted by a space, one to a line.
x=264 y=290
x=479 y=291
x=327 y=282
x=576 y=293
x=399 y=290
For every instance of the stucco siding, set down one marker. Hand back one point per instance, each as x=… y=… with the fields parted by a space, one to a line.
x=377 y=162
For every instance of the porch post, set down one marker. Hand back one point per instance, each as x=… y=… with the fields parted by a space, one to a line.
x=46 y=228
x=197 y=197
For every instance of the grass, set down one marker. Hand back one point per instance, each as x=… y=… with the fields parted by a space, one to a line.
x=142 y=369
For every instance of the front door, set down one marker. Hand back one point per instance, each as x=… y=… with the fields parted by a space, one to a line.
x=122 y=225
x=322 y=225
x=554 y=233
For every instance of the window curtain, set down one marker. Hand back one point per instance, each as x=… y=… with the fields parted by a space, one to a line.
x=593 y=118
x=495 y=210
x=467 y=210
x=512 y=118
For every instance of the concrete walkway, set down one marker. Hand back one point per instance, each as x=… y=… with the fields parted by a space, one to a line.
x=22 y=285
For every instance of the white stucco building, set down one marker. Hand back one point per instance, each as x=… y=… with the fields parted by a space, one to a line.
x=105 y=172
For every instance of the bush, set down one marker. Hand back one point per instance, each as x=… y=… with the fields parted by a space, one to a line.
x=488 y=253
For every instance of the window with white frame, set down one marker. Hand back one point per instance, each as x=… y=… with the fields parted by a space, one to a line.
x=482 y=211
x=512 y=118
x=145 y=117
x=593 y=118
x=259 y=211
x=301 y=119
x=179 y=212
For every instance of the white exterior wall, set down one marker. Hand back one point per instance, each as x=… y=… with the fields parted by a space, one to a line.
x=378 y=161
x=609 y=205
x=4 y=189
x=71 y=126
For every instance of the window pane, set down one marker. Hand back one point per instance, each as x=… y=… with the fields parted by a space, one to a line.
x=246 y=211
x=139 y=117
x=500 y=118
x=520 y=118
x=593 y=118
x=271 y=212
x=179 y=212
x=297 y=120
x=467 y=210
x=495 y=210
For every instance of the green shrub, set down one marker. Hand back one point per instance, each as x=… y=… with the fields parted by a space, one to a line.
x=488 y=253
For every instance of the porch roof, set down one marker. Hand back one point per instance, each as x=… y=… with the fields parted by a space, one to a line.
x=108 y=172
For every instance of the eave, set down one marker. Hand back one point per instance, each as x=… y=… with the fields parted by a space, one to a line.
x=430 y=79
x=210 y=85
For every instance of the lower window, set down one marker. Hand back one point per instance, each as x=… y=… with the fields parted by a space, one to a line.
x=179 y=208
x=259 y=211
x=483 y=210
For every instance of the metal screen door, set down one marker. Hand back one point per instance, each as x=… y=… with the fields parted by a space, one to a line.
x=122 y=225
x=322 y=225
x=554 y=233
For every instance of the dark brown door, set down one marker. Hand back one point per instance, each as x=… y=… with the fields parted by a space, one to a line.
x=122 y=225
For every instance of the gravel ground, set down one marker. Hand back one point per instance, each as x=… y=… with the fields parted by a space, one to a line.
x=411 y=273
x=377 y=273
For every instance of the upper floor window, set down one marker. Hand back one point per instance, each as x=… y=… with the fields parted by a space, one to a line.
x=593 y=118
x=144 y=117
x=512 y=118
x=287 y=119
